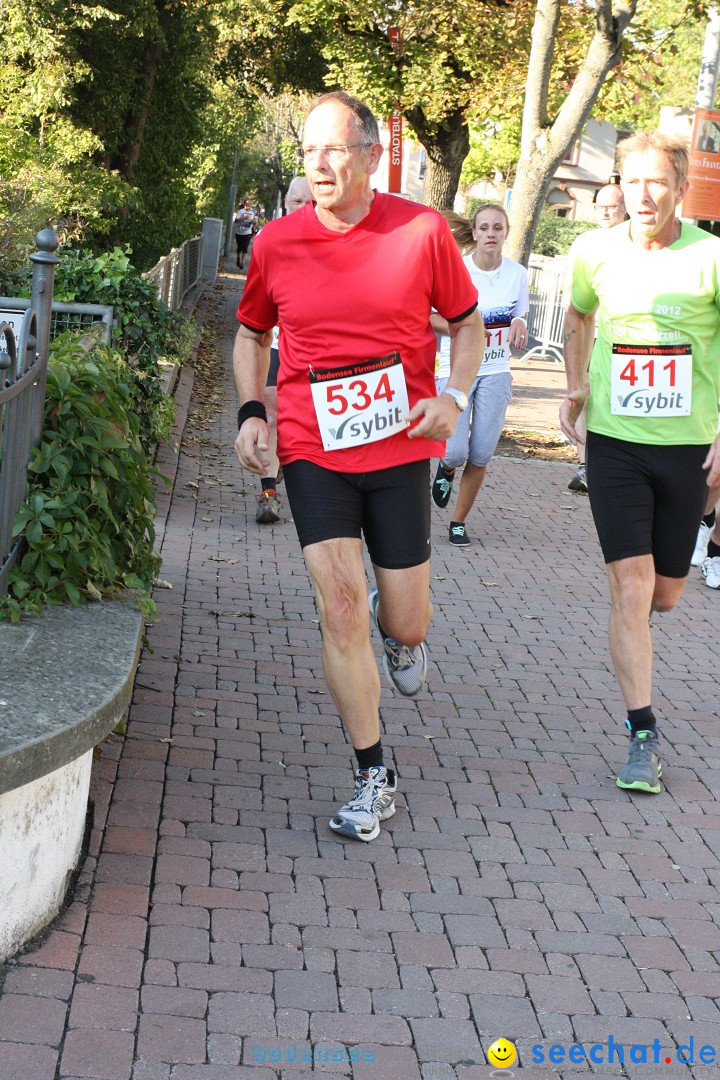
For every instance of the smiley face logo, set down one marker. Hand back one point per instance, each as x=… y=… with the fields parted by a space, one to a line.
x=502 y=1053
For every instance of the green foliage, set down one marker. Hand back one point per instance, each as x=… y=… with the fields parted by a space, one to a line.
x=660 y=66
x=555 y=234
x=147 y=335
x=494 y=149
x=88 y=517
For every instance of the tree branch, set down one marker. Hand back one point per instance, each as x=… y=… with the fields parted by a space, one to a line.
x=547 y=17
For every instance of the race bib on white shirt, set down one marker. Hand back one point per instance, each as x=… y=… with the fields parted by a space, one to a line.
x=361 y=403
x=651 y=380
x=497 y=344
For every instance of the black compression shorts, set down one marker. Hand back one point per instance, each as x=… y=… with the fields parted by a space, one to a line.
x=273 y=369
x=391 y=508
x=646 y=500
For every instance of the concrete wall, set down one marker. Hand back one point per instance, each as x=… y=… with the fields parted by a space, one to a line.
x=41 y=831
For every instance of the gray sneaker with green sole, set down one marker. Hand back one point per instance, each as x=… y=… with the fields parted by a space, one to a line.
x=643 y=768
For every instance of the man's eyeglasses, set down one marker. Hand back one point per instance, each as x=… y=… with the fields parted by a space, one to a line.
x=332 y=153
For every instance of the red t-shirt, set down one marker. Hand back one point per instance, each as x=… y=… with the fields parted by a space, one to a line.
x=354 y=296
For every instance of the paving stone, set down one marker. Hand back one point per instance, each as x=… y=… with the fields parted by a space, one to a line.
x=237 y=1014
x=312 y=990
x=98 y=1006
x=23 y=1061
x=559 y=994
x=101 y=1055
x=175 y=1001
x=175 y=1039
x=446 y=1040
x=25 y=1019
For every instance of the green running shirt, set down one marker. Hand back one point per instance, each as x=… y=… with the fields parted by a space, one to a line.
x=667 y=302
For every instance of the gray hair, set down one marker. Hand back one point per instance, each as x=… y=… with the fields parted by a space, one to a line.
x=366 y=123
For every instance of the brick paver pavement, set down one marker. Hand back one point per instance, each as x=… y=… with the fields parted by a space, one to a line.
x=220 y=931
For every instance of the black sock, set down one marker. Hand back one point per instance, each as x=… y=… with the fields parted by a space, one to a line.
x=641 y=719
x=371 y=755
x=269 y=483
x=709 y=519
x=713 y=550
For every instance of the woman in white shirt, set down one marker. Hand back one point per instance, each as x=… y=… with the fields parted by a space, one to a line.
x=502 y=287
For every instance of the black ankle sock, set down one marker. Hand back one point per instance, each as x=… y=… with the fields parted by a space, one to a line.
x=269 y=483
x=713 y=549
x=709 y=519
x=371 y=755
x=641 y=719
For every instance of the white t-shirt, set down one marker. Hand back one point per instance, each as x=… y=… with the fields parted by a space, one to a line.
x=502 y=297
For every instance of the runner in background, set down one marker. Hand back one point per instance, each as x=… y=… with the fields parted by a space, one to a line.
x=502 y=287
x=652 y=410
x=269 y=506
x=609 y=207
x=244 y=225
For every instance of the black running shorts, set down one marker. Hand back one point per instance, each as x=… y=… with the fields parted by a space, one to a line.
x=646 y=500
x=273 y=369
x=391 y=508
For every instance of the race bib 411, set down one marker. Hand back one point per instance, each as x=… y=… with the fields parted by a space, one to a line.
x=651 y=380
x=361 y=403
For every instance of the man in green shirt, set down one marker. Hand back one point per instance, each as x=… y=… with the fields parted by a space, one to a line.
x=652 y=409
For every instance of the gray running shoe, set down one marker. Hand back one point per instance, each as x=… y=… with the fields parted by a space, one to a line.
x=405 y=667
x=373 y=802
x=643 y=768
x=268 y=511
x=579 y=481
x=442 y=486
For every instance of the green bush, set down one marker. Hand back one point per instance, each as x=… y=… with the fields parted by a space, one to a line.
x=88 y=517
x=147 y=333
x=554 y=235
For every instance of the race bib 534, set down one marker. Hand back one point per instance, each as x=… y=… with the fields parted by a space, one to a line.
x=361 y=403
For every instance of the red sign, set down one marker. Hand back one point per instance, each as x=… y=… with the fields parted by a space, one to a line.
x=703 y=199
x=395 y=125
x=395 y=166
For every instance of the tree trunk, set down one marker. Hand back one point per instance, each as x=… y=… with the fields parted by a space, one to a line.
x=544 y=145
x=137 y=118
x=446 y=148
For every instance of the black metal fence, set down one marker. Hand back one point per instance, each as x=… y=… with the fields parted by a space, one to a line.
x=23 y=371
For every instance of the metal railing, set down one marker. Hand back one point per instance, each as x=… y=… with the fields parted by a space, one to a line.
x=177 y=272
x=546 y=311
x=83 y=317
x=23 y=371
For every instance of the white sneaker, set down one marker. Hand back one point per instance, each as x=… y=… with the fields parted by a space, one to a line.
x=701 y=545
x=710 y=570
x=373 y=802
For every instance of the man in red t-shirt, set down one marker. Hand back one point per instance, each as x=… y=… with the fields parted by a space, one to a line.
x=351 y=279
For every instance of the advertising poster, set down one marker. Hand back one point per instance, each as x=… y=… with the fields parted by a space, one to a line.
x=703 y=199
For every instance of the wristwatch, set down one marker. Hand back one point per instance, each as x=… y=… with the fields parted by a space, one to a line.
x=460 y=399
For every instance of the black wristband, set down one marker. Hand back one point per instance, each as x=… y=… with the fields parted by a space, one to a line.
x=251 y=408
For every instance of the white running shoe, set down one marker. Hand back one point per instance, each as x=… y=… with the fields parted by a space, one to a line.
x=710 y=570
x=373 y=802
x=701 y=544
